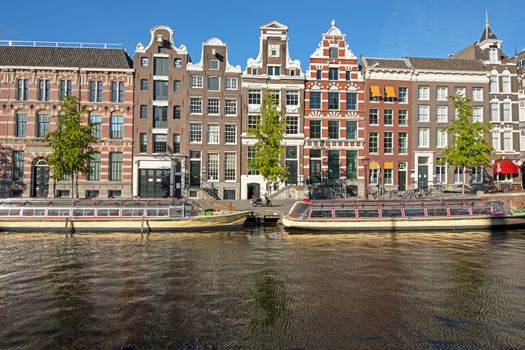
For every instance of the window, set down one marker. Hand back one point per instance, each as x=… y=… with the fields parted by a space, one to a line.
x=522 y=140
x=42 y=125
x=195 y=133
x=18 y=165
x=442 y=140
x=477 y=116
x=505 y=83
x=461 y=90
x=347 y=75
x=214 y=64
x=213 y=106
x=95 y=91
x=92 y=193
x=442 y=93
x=402 y=143
x=274 y=70
x=250 y=154
x=144 y=61
x=318 y=74
x=230 y=134
x=351 y=130
x=274 y=94
x=196 y=81
x=522 y=111
x=493 y=83
x=114 y=193
x=507 y=112
x=255 y=71
x=213 y=84
x=44 y=90
x=176 y=85
x=333 y=52
x=403 y=117
x=442 y=114
x=143 y=84
x=114 y=91
x=351 y=101
x=387 y=177
x=230 y=171
x=160 y=90
x=21 y=125
x=254 y=97
x=315 y=100
x=160 y=143
x=315 y=129
x=116 y=127
x=424 y=113
x=22 y=89
x=176 y=112
x=143 y=141
x=374 y=142
x=388 y=117
x=507 y=140
x=143 y=112
x=292 y=125
x=176 y=143
x=94 y=168
x=212 y=136
x=351 y=164
x=177 y=63
x=496 y=141
x=441 y=173
x=494 y=111
x=95 y=121
x=196 y=105
x=230 y=107
x=423 y=93
x=493 y=55
x=273 y=50
x=333 y=129
x=374 y=116
x=292 y=98
x=333 y=73
x=115 y=166
x=388 y=143
x=477 y=174
x=477 y=94
x=160 y=117
x=402 y=94
x=213 y=167
x=160 y=66
x=231 y=83
x=458 y=175
x=254 y=121
x=65 y=89
x=423 y=137
x=333 y=100
x=229 y=193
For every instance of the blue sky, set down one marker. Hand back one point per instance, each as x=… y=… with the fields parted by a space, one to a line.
x=394 y=28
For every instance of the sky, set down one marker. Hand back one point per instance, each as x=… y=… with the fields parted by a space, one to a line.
x=393 y=28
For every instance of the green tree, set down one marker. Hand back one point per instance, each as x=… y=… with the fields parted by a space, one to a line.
x=71 y=144
x=469 y=147
x=269 y=149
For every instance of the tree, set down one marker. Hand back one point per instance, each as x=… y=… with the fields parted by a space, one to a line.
x=71 y=144
x=469 y=147
x=269 y=150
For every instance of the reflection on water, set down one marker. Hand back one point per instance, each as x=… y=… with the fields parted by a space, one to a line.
x=251 y=290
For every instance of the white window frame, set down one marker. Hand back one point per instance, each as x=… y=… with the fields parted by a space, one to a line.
x=217 y=107
x=477 y=94
x=423 y=138
x=212 y=167
x=195 y=105
x=441 y=138
x=505 y=83
x=213 y=134
x=493 y=83
x=214 y=61
x=196 y=132
x=477 y=114
x=461 y=90
x=423 y=117
x=494 y=111
x=230 y=130
x=507 y=111
x=507 y=140
x=231 y=83
x=197 y=82
x=442 y=114
x=522 y=140
x=218 y=83
x=496 y=140
x=230 y=104
x=442 y=93
x=230 y=164
x=423 y=93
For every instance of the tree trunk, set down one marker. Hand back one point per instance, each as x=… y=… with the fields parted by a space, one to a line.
x=76 y=184
x=72 y=185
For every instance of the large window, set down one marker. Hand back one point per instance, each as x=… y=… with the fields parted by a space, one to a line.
x=254 y=97
x=116 y=127
x=477 y=94
x=160 y=90
x=44 y=87
x=423 y=93
x=230 y=134
x=507 y=140
x=231 y=83
x=496 y=140
x=292 y=98
x=292 y=125
x=477 y=114
x=441 y=173
x=212 y=136
x=196 y=81
x=402 y=143
x=230 y=171
x=333 y=73
x=333 y=52
x=402 y=119
x=176 y=112
x=143 y=86
x=442 y=93
x=250 y=154
x=442 y=138
x=351 y=164
x=315 y=100
x=402 y=94
x=507 y=111
x=65 y=89
x=213 y=166
x=94 y=168
x=374 y=142
x=388 y=143
x=333 y=129
x=117 y=91
x=315 y=129
x=505 y=83
x=115 y=166
x=351 y=101
x=160 y=143
x=333 y=100
x=374 y=116
x=176 y=143
x=196 y=105
x=18 y=165
x=351 y=130
x=143 y=141
x=424 y=113
x=177 y=85
x=254 y=121
x=493 y=83
x=22 y=88
x=96 y=125
x=177 y=63
x=42 y=125
x=442 y=114
x=96 y=91
x=213 y=106
x=494 y=111
x=213 y=84
x=274 y=95
x=230 y=107
x=274 y=70
x=160 y=117
x=160 y=66
x=21 y=125
x=423 y=137
x=389 y=117
x=458 y=176
x=195 y=133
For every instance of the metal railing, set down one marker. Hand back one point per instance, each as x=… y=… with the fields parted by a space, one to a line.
x=73 y=44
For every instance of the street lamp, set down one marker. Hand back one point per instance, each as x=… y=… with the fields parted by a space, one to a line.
x=365 y=164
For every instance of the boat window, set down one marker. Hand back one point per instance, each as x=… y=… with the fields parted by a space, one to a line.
x=481 y=211
x=321 y=214
x=39 y=212
x=459 y=211
x=299 y=210
x=437 y=212
x=345 y=213
x=53 y=212
x=176 y=212
x=108 y=212
x=83 y=211
x=28 y=211
x=368 y=213
x=392 y=213
x=414 y=212
x=5 y=212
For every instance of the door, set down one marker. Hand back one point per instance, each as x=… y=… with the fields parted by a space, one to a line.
x=333 y=165
x=422 y=176
x=195 y=173
x=40 y=179
x=402 y=180
x=154 y=183
x=254 y=190
x=315 y=170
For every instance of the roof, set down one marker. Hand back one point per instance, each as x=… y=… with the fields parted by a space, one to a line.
x=487 y=34
x=393 y=63
x=43 y=56
x=451 y=64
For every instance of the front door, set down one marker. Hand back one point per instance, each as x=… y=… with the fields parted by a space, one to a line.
x=315 y=170
x=195 y=173
x=40 y=179
x=333 y=164
x=402 y=180
x=422 y=176
x=254 y=190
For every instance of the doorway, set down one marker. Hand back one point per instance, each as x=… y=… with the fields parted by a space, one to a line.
x=254 y=190
x=40 y=179
x=422 y=173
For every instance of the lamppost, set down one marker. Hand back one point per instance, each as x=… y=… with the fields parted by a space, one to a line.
x=365 y=164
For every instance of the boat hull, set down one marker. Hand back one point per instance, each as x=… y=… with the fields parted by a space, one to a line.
x=123 y=224
x=402 y=224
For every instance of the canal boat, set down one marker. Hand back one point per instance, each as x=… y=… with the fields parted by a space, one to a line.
x=113 y=216
x=395 y=215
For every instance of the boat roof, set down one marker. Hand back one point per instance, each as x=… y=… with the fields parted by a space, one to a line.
x=398 y=203
x=86 y=202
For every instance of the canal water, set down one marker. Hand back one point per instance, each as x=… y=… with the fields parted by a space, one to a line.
x=263 y=290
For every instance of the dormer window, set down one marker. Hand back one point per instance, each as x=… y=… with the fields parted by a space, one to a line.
x=274 y=70
x=255 y=71
x=493 y=55
x=292 y=72
x=144 y=61
x=214 y=64
x=273 y=50
x=333 y=52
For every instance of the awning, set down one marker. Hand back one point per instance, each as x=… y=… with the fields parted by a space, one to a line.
x=374 y=165
x=505 y=166
x=375 y=91
x=388 y=165
x=390 y=92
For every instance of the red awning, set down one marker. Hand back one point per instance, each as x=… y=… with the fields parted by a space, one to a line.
x=505 y=166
